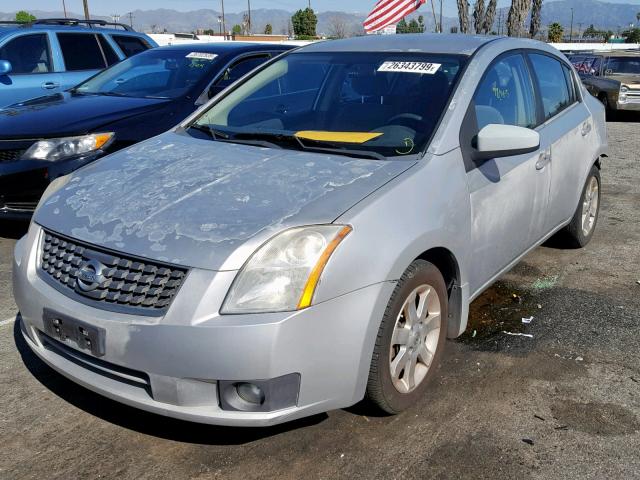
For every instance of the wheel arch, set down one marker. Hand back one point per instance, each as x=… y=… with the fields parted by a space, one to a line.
x=448 y=265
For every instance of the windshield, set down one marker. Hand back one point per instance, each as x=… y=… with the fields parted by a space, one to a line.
x=382 y=104
x=152 y=74
x=623 y=65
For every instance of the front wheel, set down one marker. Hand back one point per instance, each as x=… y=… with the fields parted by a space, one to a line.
x=579 y=232
x=410 y=339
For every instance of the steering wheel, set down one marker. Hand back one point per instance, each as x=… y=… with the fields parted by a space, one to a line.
x=410 y=120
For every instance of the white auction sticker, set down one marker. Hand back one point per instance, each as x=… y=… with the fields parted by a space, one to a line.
x=410 y=67
x=202 y=55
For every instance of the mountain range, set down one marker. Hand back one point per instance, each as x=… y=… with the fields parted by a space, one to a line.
x=603 y=15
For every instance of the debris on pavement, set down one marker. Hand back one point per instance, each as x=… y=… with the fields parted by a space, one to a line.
x=527 y=319
x=579 y=359
x=528 y=441
x=528 y=335
x=562 y=427
x=539 y=417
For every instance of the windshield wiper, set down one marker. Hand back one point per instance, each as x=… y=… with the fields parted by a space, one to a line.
x=296 y=142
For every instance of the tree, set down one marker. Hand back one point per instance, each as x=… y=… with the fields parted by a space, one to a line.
x=478 y=16
x=421 y=24
x=414 y=26
x=402 y=26
x=517 y=15
x=632 y=35
x=237 y=29
x=590 y=32
x=463 y=15
x=536 y=11
x=24 y=17
x=606 y=35
x=555 y=32
x=490 y=16
x=268 y=29
x=337 y=27
x=208 y=31
x=304 y=23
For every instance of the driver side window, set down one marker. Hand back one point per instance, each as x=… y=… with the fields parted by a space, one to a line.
x=506 y=95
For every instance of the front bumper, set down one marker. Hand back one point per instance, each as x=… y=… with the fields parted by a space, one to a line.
x=188 y=353
x=22 y=182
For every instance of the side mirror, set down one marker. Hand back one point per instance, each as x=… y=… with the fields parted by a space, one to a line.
x=495 y=140
x=5 y=67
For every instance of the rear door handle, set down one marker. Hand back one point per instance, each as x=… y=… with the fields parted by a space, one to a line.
x=586 y=128
x=543 y=159
x=50 y=85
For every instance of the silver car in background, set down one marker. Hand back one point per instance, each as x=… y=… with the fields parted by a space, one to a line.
x=312 y=235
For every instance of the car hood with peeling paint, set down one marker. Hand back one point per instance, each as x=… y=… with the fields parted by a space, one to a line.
x=195 y=202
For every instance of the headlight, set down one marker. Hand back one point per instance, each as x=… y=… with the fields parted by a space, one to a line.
x=624 y=89
x=282 y=274
x=57 y=148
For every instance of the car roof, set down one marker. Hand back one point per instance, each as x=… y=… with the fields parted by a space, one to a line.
x=420 y=42
x=10 y=28
x=226 y=47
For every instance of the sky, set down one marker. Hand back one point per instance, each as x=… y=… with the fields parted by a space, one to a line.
x=107 y=7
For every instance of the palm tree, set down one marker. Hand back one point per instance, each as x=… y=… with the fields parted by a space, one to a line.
x=534 y=27
x=555 y=32
x=463 y=15
x=478 y=16
x=517 y=14
x=490 y=16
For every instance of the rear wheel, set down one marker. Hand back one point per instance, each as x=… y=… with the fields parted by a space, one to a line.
x=579 y=232
x=410 y=339
x=610 y=113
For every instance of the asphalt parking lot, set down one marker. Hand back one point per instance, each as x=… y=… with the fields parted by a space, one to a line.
x=564 y=403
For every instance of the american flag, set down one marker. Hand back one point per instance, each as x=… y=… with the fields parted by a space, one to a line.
x=390 y=12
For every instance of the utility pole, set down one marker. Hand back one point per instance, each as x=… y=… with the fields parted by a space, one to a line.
x=571 y=29
x=224 y=27
x=500 y=22
x=435 y=20
x=130 y=19
x=85 y=4
x=441 y=16
x=579 y=30
x=64 y=9
x=249 y=8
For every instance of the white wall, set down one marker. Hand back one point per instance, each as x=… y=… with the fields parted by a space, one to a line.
x=595 y=46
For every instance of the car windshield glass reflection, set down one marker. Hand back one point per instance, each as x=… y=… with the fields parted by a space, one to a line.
x=624 y=65
x=152 y=74
x=373 y=105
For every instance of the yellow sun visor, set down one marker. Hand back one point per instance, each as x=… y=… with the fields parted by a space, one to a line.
x=341 y=137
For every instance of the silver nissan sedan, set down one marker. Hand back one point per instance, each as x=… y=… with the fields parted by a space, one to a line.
x=312 y=235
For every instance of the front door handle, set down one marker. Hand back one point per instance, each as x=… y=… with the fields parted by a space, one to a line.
x=543 y=159
x=50 y=85
x=586 y=128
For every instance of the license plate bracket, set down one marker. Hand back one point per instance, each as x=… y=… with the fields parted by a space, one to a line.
x=63 y=327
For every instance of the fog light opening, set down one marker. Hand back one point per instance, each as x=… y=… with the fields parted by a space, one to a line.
x=250 y=393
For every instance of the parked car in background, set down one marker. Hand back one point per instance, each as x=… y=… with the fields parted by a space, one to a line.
x=50 y=136
x=51 y=55
x=313 y=234
x=612 y=77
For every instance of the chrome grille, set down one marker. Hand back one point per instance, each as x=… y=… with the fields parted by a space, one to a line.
x=116 y=282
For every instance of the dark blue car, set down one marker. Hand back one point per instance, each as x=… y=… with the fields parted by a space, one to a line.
x=140 y=97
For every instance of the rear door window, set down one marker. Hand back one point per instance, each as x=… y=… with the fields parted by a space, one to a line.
x=28 y=54
x=130 y=45
x=554 y=89
x=81 y=51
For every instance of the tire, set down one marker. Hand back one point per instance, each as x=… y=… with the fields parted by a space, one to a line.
x=422 y=345
x=575 y=234
x=610 y=113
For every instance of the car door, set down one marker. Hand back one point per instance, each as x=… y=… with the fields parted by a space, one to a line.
x=83 y=55
x=566 y=135
x=508 y=195
x=32 y=71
